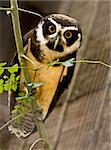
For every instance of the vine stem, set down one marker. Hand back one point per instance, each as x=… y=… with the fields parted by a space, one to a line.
x=23 y=64
x=77 y=61
x=93 y=62
x=30 y=12
x=6 y=9
x=36 y=142
x=23 y=10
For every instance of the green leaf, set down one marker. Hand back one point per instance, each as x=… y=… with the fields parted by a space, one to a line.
x=1 y=70
x=5 y=77
x=14 y=86
x=21 y=94
x=2 y=64
x=12 y=77
x=14 y=111
x=35 y=84
x=13 y=69
x=1 y=89
x=24 y=102
x=30 y=84
x=17 y=78
x=30 y=99
x=1 y=67
x=19 y=100
x=17 y=107
x=6 y=86
x=1 y=81
x=1 y=85
x=68 y=63
x=24 y=108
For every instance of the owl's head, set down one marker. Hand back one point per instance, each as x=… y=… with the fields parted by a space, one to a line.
x=56 y=36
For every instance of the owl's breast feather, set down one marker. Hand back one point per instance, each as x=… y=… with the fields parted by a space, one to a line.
x=50 y=78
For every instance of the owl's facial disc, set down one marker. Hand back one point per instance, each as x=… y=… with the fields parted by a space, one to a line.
x=58 y=35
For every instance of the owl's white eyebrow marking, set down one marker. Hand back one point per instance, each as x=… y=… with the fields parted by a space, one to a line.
x=71 y=28
x=54 y=22
x=58 y=26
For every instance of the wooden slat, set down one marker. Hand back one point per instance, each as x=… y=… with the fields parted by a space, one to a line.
x=87 y=121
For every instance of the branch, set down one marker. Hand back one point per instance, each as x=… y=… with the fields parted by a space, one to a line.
x=37 y=141
x=23 y=10
x=30 y=12
x=20 y=49
x=71 y=61
x=93 y=62
x=6 y=9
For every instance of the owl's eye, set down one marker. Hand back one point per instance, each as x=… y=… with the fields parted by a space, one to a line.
x=68 y=34
x=71 y=36
x=52 y=28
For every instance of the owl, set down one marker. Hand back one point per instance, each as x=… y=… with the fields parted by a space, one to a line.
x=56 y=37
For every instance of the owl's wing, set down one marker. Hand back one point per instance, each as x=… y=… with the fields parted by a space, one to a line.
x=62 y=85
x=27 y=123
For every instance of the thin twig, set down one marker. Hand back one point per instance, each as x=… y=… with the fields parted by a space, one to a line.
x=77 y=61
x=36 y=141
x=26 y=68
x=24 y=56
x=85 y=61
x=20 y=68
x=23 y=10
x=30 y=12
x=6 y=9
x=93 y=62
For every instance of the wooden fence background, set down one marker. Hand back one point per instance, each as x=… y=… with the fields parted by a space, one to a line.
x=86 y=123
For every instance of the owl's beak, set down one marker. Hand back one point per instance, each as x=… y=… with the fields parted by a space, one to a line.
x=56 y=42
